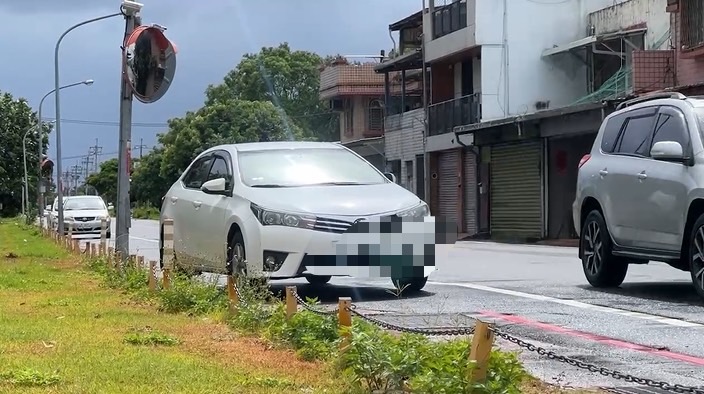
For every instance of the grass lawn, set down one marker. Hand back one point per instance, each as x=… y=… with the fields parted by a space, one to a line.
x=62 y=332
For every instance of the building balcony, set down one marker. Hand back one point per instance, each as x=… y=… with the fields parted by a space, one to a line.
x=412 y=119
x=342 y=80
x=445 y=116
x=449 y=29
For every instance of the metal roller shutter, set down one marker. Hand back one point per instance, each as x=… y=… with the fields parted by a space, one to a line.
x=470 y=192
x=516 y=190
x=448 y=184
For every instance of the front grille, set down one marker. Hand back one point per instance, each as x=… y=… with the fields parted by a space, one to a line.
x=84 y=218
x=331 y=225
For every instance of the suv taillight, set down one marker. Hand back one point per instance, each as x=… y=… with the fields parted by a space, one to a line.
x=584 y=159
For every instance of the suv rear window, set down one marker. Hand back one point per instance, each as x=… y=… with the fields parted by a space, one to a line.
x=611 y=129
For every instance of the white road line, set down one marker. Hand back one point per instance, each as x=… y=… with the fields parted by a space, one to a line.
x=144 y=239
x=577 y=304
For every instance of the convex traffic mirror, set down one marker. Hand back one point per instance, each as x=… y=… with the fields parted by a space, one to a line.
x=150 y=63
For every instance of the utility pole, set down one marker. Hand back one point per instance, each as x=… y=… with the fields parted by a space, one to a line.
x=124 y=217
x=76 y=171
x=95 y=151
x=86 y=162
x=140 y=147
x=65 y=180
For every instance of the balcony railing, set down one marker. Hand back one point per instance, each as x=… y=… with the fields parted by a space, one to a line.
x=445 y=116
x=449 y=19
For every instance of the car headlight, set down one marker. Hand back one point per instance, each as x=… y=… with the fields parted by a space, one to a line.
x=268 y=217
x=419 y=211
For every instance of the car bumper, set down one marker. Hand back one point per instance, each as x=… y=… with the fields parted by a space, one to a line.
x=91 y=227
x=301 y=252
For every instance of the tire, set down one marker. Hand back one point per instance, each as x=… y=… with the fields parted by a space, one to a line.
x=696 y=255
x=410 y=284
x=316 y=280
x=601 y=268
x=239 y=269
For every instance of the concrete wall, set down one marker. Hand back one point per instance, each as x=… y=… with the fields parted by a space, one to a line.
x=632 y=13
x=530 y=78
x=360 y=118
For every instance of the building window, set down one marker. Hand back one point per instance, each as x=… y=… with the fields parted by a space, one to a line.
x=349 y=117
x=376 y=116
x=692 y=23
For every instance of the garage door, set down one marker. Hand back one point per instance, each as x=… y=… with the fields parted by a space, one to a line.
x=448 y=184
x=470 y=192
x=516 y=190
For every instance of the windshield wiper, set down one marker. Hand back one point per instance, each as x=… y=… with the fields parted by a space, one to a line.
x=337 y=184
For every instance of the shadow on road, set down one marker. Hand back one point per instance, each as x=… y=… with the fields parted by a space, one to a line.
x=330 y=293
x=679 y=292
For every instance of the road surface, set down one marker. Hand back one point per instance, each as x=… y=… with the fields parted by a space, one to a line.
x=651 y=327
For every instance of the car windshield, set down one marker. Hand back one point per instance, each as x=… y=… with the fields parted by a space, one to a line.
x=306 y=167
x=83 y=203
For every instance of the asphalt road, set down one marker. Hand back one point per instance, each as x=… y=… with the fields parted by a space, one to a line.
x=650 y=327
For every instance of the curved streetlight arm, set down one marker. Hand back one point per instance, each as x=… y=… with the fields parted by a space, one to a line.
x=57 y=112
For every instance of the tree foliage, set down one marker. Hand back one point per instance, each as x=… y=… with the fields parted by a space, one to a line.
x=105 y=181
x=16 y=119
x=288 y=79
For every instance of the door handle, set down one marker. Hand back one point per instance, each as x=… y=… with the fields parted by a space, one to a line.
x=174 y=199
x=197 y=204
x=642 y=175
x=603 y=172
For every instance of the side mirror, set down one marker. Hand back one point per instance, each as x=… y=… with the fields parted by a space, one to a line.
x=668 y=151
x=214 y=186
x=391 y=176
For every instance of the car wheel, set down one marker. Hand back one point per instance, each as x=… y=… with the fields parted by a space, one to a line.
x=317 y=280
x=601 y=267
x=696 y=255
x=237 y=261
x=410 y=284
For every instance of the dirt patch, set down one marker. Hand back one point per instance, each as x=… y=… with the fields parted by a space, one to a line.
x=216 y=340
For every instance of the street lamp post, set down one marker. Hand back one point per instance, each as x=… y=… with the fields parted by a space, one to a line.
x=25 y=193
x=40 y=139
x=57 y=112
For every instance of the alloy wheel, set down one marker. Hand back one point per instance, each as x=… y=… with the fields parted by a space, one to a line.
x=697 y=263
x=593 y=249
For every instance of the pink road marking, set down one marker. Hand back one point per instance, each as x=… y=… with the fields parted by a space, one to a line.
x=593 y=337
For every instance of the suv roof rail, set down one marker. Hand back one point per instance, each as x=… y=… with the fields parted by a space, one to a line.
x=653 y=96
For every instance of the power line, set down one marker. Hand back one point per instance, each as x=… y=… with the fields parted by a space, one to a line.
x=162 y=125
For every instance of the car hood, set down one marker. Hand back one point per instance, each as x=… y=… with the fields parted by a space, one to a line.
x=83 y=213
x=353 y=200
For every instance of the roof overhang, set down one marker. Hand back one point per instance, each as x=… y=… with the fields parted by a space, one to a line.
x=585 y=42
x=409 y=61
x=411 y=21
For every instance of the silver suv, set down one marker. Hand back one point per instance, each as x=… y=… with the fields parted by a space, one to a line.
x=640 y=192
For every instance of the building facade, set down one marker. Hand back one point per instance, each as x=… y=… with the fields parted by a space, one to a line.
x=357 y=93
x=404 y=122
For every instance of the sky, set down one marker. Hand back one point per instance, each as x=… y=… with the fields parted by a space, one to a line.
x=211 y=37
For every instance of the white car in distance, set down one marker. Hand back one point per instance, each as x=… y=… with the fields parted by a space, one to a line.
x=84 y=213
x=265 y=209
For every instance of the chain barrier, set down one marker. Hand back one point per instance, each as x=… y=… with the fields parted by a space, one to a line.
x=423 y=331
x=596 y=369
x=311 y=308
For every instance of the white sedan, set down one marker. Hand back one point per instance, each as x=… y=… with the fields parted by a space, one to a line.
x=281 y=209
x=83 y=213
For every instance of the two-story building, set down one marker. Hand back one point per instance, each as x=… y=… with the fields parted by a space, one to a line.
x=357 y=93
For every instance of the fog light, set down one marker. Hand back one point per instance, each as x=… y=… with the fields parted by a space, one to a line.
x=273 y=260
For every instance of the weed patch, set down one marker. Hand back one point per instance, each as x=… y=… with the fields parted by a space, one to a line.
x=148 y=336
x=29 y=378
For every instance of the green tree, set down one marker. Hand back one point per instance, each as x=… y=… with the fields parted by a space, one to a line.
x=16 y=118
x=288 y=79
x=147 y=184
x=221 y=122
x=105 y=181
